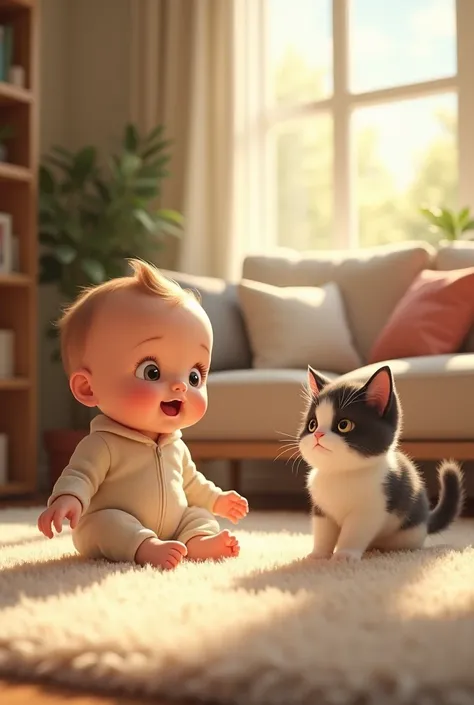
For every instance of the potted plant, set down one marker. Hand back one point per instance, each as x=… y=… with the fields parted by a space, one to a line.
x=6 y=133
x=91 y=219
x=452 y=225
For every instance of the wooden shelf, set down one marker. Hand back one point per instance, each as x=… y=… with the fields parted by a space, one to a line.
x=10 y=94
x=12 y=383
x=12 y=172
x=15 y=488
x=15 y=279
x=19 y=107
x=16 y=4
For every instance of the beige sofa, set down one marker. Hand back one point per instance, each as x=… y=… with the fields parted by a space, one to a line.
x=250 y=407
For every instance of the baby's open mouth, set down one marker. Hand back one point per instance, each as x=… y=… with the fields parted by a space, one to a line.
x=171 y=408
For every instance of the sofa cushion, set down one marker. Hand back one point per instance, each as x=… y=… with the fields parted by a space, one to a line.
x=291 y=326
x=437 y=394
x=372 y=280
x=457 y=255
x=433 y=318
x=251 y=405
x=219 y=300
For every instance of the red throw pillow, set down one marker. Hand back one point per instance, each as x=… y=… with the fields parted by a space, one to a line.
x=433 y=317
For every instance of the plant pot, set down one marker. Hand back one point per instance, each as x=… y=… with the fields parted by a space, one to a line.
x=60 y=444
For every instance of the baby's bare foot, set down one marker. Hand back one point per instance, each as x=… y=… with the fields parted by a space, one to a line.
x=319 y=556
x=221 y=545
x=160 y=554
x=347 y=555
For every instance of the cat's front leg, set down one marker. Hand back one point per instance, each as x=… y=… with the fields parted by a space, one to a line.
x=357 y=533
x=325 y=533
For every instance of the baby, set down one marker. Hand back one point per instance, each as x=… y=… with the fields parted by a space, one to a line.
x=139 y=349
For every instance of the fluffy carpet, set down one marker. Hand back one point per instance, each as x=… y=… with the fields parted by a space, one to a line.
x=267 y=628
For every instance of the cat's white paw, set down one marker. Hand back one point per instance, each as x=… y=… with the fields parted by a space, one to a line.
x=348 y=556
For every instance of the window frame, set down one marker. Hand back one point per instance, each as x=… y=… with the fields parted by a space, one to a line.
x=262 y=118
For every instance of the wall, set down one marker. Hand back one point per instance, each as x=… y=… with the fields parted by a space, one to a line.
x=84 y=99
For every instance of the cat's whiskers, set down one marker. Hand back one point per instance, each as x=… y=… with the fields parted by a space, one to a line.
x=299 y=463
x=288 y=435
x=292 y=456
x=290 y=447
x=296 y=460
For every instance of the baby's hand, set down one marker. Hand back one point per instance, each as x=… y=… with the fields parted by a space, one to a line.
x=232 y=506
x=64 y=507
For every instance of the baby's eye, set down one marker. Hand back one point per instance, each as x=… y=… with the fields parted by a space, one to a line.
x=345 y=426
x=148 y=370
x=195 y=377
x=312 y=425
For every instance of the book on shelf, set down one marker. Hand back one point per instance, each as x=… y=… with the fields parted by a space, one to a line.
x=6 y=50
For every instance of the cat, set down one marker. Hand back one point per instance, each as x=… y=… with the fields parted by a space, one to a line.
x=367 y=494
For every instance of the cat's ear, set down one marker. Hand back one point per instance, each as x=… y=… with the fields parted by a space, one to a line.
x=379 y=389
x=316 y=382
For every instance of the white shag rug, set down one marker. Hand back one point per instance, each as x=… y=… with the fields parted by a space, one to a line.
x=267 y=628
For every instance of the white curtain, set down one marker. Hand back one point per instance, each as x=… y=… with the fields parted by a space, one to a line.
x=191 y=70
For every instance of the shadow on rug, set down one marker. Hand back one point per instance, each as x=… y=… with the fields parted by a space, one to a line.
x=267 y=628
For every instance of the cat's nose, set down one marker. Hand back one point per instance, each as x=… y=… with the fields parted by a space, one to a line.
x=318 y=434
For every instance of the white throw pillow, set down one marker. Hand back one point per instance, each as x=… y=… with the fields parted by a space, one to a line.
x=296 y=326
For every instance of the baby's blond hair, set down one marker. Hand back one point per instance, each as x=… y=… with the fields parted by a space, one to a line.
x=76 y=319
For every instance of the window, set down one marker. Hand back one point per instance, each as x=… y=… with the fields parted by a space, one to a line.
x=365 y=115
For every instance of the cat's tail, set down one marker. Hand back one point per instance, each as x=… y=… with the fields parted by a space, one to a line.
x=451 y=497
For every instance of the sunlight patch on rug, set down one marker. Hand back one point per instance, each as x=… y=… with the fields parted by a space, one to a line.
x=268 y=628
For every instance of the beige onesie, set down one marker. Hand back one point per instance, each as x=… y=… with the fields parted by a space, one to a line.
x=132 y=488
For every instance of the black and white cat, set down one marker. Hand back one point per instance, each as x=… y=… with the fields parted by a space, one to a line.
x=365 y=492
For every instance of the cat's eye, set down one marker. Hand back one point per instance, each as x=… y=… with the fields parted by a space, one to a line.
x=345 y=426
x=312 y=425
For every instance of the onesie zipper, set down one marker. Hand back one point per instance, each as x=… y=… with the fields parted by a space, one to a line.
x=162 y=485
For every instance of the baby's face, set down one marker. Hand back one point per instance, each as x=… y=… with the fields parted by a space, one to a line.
x=148 y=362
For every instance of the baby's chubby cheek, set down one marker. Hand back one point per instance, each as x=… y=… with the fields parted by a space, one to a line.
x=197 y=404
x=141 y=395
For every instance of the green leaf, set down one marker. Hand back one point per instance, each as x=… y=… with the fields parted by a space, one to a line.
x=156 y=148
x=130 y=164
x=171 y=216
x=154 y=134
x=145 y=219
x=66 y=154
x=46 y=180
x=463 y=216
x=59 y=163
x=65 y=254
x=166 y=227
x=431 y=216
x=447 y=221
x=50 y=269
x=94 y=270
x=131 y=138
x=104 y=192
x=469 y=226
x=84 y=164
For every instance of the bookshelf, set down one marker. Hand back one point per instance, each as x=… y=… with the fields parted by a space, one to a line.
x=18 y=263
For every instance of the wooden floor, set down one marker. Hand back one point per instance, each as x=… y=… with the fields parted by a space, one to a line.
x=15 y=693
